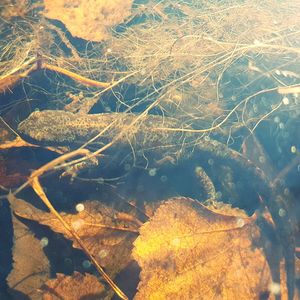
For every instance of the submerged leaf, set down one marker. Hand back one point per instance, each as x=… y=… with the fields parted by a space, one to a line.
x=75 y=287
x=108 y=239
x=187 y=251
x=31 y=266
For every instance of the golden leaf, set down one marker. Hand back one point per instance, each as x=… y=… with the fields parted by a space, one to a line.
x=107 y=238
x=88 y=19
x=75 y=287
x=187 y=251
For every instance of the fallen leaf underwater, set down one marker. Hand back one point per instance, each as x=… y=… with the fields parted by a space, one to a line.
x=149 y=149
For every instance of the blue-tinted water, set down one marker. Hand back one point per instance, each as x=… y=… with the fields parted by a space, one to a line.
x=179 y=62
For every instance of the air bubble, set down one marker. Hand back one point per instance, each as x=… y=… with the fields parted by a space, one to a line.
x=102 y=253
x=207 y=138
x=68 y=261
x=285 y=101
x=163 y=178
x=281 y=125
x=86 y=264
x=277 y=119
x=210 y=161
x=44 y=242
x=281 y=212
x=198 y=170
x=240 y=222
x=274 y=288
x=262 y=159
x=293 y=149
x=152 y=172
x=79 y=207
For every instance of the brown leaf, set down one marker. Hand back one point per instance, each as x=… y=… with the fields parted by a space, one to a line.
x=107 y=239
x=187 y=251
x=30 y=267
x=75 y=287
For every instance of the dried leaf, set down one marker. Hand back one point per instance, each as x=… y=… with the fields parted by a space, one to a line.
x=107 y=239
x=31 y=267
x=75 y=287
x=187 y=251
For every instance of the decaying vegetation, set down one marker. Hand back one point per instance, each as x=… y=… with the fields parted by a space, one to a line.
x=139 y=88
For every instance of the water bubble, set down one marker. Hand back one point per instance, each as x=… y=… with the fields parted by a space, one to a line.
x=152 y=172
x=285 y=101
x=68 y=261
x=163 y=178
x=44 y=242
x=286 y=191
x=281 y=125
x=86 y=264
x=79 y=207
x=103 y=253
x=210 y=161
x=262 y=159
x=207 y=138
x=277 y=119
x=293 y=149
x=198 y=170
x=274 y=288
x=281 y=212
x=240 y=222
